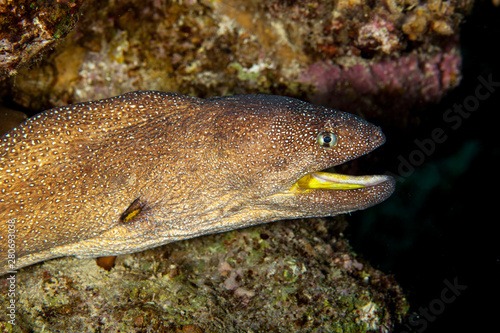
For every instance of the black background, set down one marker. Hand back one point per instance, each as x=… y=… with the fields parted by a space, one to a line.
x=442 y=222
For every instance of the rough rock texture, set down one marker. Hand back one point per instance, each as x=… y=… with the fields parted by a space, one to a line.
x=359 y=56
x=295 y=276
x=27 y=28
x=381 y=59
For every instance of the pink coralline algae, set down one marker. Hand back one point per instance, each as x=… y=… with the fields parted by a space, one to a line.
x=389 y=84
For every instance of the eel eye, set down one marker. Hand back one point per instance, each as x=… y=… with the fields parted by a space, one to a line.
x=327 y=139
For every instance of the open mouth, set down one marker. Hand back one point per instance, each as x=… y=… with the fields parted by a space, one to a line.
x=333 y=181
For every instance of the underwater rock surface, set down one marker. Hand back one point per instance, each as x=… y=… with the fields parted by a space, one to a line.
x=352 y=55
x=380 y=59
x=29 y=28
x=295 y=276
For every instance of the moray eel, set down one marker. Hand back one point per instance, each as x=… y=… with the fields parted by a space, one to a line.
x=143 y=169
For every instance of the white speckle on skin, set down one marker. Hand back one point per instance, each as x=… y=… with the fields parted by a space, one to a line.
x=199 y=166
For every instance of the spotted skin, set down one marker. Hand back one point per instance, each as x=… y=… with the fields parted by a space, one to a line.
x=143 y=169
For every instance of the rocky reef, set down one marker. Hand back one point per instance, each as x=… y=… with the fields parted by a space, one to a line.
x=359 y=56
x=295 y=276
x=30 y=28
x=382 y=59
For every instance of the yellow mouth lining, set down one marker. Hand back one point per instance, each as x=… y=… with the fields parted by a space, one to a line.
x=334 y=181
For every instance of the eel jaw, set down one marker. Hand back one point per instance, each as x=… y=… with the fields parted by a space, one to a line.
x=333 y=181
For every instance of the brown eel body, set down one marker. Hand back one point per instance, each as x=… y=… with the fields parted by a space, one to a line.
x=143 y=169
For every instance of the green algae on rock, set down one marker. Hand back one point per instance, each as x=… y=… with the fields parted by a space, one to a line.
x=302 y=272
x=366 y=54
